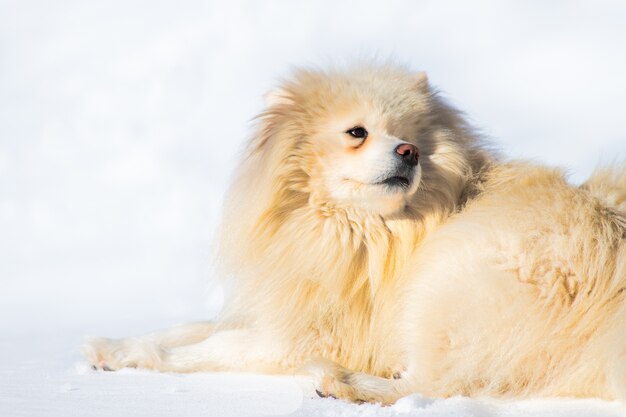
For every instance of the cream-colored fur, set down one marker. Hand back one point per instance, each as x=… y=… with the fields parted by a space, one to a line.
x=478 y=277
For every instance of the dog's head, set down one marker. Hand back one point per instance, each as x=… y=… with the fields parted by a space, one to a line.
x=367 y=140
x=354 y=158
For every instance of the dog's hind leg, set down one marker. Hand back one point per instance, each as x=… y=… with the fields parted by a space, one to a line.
x=333 y=380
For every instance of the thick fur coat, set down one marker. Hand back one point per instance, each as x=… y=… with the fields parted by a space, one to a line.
x=372 y=240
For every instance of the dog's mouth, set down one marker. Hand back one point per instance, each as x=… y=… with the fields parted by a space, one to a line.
x=397 y=181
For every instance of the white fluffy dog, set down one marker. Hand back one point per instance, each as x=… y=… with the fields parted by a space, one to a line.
x=373 y=241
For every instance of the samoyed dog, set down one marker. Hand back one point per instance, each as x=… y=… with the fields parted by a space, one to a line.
x=375 y=242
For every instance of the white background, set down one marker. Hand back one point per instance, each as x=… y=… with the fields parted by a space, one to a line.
x=121 y=122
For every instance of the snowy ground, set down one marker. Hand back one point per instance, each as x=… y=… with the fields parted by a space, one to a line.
x=44 y=375
x=119 y=122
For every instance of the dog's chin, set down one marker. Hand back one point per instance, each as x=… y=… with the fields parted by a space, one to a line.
x=384 y=197
x=395 y=184
x=399 y=183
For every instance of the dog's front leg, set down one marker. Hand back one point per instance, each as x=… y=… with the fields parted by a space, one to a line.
x=231 y=350
x=144 y=351
x=226 y=350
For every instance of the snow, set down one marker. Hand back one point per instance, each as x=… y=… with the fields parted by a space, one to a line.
x=43 y=375
x=119 y=125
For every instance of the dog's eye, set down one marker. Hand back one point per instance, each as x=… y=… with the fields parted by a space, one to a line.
x=358 y=132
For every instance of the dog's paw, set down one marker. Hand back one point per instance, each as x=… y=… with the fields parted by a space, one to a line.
x=396 y=372
x=114 y=354
x=104 y=354
x=330 y=386
x=334 y=381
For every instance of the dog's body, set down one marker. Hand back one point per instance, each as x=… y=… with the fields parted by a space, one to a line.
x=373 y=241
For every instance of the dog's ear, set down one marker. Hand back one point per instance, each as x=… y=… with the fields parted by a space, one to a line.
x=277 y=104
x=278 y=97
x=421 y=80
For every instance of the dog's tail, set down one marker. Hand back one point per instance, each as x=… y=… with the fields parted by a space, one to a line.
x=608 y=185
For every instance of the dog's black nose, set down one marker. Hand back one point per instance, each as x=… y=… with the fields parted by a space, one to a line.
x=408 y=153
